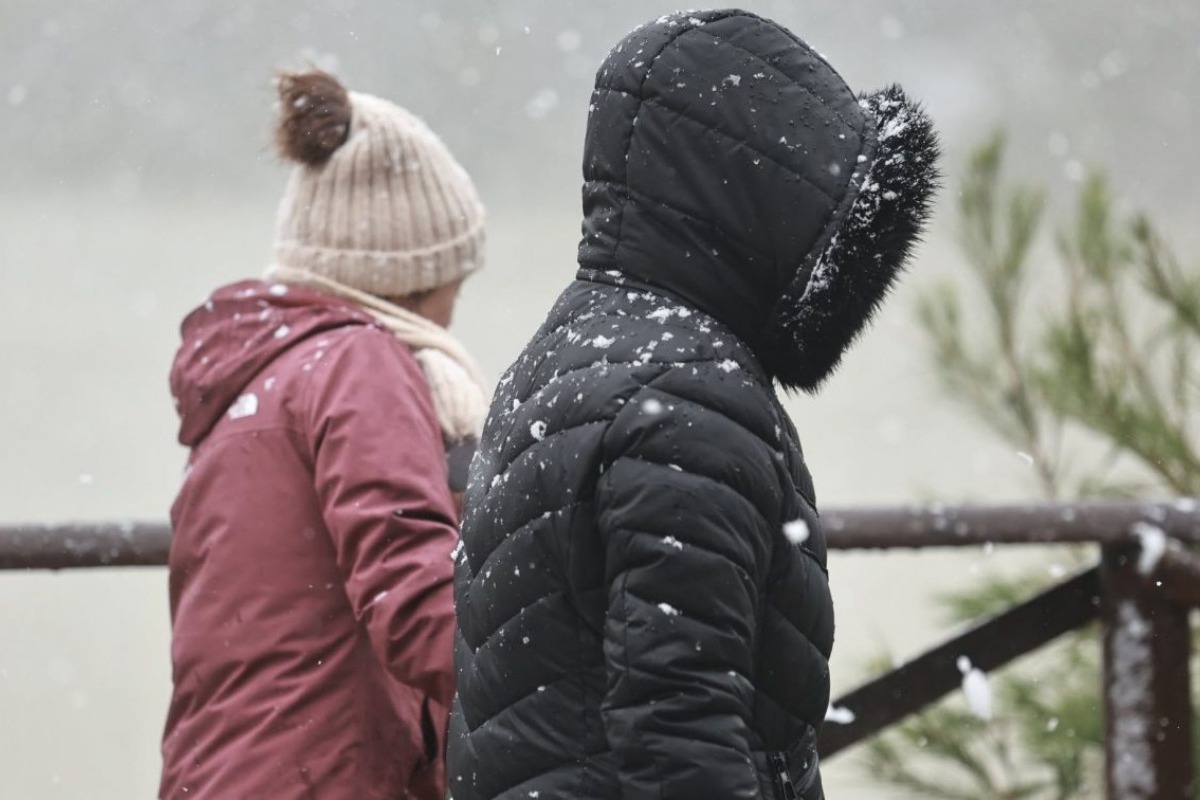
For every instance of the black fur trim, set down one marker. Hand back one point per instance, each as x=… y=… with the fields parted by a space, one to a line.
x=821 y=314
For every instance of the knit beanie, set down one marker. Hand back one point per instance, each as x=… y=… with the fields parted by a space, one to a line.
x=376 y=202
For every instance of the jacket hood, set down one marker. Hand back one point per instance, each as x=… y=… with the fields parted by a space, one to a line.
x=237 y=332
x=728 y=164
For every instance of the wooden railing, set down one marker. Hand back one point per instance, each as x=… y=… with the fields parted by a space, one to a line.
x=1145 y=581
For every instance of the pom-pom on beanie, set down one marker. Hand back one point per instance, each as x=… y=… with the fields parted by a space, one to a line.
x=376 y=201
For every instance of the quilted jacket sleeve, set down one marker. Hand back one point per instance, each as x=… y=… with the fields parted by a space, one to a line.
x=681 y=510
x=380 y=473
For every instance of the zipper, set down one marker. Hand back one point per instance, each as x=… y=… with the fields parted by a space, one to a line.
x=783 y=779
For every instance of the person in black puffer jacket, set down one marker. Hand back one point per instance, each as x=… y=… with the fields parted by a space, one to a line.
x=642 y=599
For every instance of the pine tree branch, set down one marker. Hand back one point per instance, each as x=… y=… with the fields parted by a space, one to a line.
x=1094 y=367
x=1162 y=277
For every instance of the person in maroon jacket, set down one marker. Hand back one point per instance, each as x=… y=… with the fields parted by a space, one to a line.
x=329 y=416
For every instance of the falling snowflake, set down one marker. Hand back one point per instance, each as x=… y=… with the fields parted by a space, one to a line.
x=796 y=531
x=839 y=715
x=975 y=687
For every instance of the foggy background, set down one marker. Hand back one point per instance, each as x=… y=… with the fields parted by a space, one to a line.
x=136 y=175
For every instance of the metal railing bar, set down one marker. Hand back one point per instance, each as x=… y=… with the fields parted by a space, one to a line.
x=64 y=546
x=124 y=544
x=1015 y=524
x=1176 y=574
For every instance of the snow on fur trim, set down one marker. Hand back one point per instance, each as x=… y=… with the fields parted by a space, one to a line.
x=818 y=318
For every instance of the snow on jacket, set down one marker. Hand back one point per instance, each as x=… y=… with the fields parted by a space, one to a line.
x=310 y=569
x=642 y=596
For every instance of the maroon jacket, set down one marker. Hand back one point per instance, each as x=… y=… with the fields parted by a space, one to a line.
x=311 y=565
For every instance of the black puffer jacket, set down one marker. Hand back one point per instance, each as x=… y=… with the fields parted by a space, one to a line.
x=642 y=598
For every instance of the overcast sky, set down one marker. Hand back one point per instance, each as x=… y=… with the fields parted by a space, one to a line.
x=174 y=97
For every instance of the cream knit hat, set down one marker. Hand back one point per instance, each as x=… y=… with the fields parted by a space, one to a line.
x=377 y=202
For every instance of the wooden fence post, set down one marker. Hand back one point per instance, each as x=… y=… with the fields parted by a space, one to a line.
x=1147 y=691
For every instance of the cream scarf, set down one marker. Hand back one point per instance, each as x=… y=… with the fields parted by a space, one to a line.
x=455 y=381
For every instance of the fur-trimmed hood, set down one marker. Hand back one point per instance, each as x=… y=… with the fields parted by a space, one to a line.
x=727 y=164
